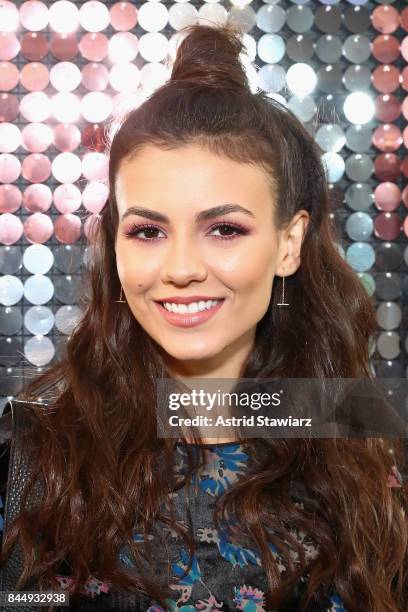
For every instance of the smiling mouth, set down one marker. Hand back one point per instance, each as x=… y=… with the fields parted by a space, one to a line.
x=189 y=307
x=189 y=319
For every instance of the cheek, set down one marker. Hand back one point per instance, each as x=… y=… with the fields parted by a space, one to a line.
x=134 y=271
x=254 y=273
x=252 y=256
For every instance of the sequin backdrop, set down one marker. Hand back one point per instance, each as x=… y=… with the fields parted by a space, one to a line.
x=69 y=69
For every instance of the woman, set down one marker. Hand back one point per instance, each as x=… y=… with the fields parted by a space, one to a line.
x=214 y=192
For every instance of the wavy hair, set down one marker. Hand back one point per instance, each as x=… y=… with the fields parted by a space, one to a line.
x=96 y=448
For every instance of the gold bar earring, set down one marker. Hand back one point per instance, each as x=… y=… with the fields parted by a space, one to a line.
x=283 y=303
x=121 y=296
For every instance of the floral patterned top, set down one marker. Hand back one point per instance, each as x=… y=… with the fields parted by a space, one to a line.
x=224 y=575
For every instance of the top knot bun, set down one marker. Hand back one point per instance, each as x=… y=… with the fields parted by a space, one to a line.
x=210 y=56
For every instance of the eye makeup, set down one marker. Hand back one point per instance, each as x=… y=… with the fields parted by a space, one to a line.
x=138 y=228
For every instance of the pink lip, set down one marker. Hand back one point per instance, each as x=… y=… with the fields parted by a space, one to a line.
x=189 y=319
x=188 y=299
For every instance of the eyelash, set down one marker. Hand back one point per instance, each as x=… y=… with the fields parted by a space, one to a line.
x=135 y=229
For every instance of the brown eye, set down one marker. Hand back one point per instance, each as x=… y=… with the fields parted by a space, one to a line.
x=231 y=229
x=148 y=230
x=226 y=229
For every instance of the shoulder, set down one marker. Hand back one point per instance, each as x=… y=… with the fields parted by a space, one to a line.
x=12 y=409
x=6 y=424
x=6 y=433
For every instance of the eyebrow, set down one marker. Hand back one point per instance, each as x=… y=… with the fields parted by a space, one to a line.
x=203 y=215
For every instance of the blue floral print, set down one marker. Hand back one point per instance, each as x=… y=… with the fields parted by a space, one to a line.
x=223 y=574
x=205 y=587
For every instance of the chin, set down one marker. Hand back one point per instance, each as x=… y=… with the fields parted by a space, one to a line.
x=191 y=354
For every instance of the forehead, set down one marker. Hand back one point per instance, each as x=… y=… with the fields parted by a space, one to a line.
x=189 y=173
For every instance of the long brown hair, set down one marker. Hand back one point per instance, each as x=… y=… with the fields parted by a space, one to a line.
x=95 y=439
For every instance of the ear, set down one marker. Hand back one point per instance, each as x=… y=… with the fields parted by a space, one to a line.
x=291 y=244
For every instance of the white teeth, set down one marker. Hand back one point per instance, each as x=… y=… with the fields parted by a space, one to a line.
x=190 y=308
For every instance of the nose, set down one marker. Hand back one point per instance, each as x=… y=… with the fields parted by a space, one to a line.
x=183 y=262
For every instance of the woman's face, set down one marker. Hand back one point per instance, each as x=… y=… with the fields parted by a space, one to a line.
x=192 y=250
